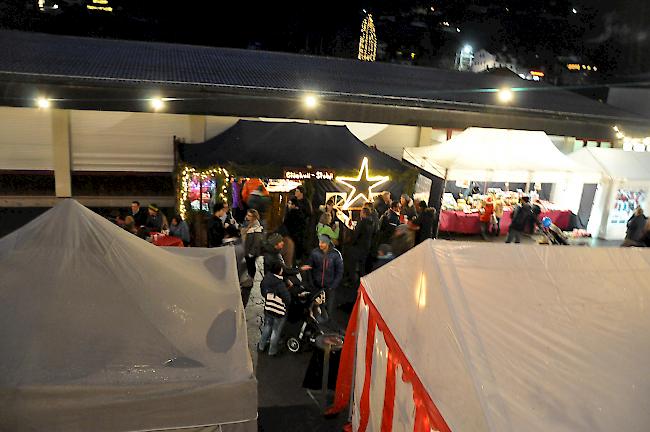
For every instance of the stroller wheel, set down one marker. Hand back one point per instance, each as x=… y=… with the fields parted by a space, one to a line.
x=293 y=344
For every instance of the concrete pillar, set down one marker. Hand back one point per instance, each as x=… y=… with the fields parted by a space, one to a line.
x=425 y=136
x=197 y=128
x=62 y=154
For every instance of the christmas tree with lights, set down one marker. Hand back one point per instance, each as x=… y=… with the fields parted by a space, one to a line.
x=368 y=40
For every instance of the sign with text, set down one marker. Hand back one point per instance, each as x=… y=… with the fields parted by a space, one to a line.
x=308 y=174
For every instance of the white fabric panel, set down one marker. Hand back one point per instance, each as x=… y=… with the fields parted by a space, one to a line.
x=378 y=382
x=216 y=125
x=26 y=139
x=404 y=411
x=484 y=154
x=121 y=141
x=615 y=163
x=360 y=361
x=548 y=338
x=111 y=333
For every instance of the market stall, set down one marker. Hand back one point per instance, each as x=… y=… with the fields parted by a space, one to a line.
x=102 y=331
x=327 y=160
x=442 y=339
x=623 y=185
x=503 y=164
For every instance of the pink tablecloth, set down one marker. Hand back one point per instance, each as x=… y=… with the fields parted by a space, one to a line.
x=468 y=223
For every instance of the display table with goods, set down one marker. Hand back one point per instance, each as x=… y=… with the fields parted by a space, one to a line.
x=462 y=216
x=166 y=240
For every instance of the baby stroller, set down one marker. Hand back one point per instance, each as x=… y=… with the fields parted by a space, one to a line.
x=307 y=315
x=553 y=235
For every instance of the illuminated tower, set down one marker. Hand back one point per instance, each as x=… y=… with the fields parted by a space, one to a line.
x=368 y=40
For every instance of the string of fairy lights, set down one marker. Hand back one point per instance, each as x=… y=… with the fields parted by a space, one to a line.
x=630 y=143
x=368 y=40
x=189 y=173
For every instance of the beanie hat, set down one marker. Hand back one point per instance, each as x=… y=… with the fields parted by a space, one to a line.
x=324 y=238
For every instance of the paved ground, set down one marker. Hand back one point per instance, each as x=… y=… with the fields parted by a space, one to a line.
x=284 y=405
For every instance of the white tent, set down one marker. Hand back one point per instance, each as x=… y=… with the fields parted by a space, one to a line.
x=491 y=337
x=103 y=331
x=497 y=155
x=625 y=178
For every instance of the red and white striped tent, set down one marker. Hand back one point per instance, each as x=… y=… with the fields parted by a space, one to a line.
x=492 y=337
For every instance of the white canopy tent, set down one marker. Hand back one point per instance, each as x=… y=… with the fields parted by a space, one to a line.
x=625 y=178
x=489 y=337
x=103 y=331
x=497 y=155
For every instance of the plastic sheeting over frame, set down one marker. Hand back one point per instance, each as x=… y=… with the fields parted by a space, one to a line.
x=103 y=331
x=503 y=339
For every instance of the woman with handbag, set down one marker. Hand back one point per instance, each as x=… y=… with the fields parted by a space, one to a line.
x=276 y=303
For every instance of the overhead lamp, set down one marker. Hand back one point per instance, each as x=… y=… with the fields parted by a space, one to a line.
x=157 y=103
x=467 y=49
x=505 y=95
x=311 y=101
x=42 y=102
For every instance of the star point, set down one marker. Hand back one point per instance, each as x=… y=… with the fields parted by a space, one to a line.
x=364 y=181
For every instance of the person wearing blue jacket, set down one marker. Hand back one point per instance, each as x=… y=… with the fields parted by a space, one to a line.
x=325 y=267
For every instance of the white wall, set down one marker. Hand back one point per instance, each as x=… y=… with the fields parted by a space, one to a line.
x=123 y=141
x=26 y=139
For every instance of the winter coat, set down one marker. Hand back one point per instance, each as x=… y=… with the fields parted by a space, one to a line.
x=326 y=268
x=403 y=240
x=426 y=221
x=328 y=231
x=305 y=206
x=522 y=217
x=141 y=217
x=154 y=223
x=362 y=236
x=295 y=223
x=274 y=284
x=216 y=232
x=254 y=240
x=636 y=228
x=486 y=213
x=182 y=231
x=408 y=211
x=383 y=260
x=387 y=224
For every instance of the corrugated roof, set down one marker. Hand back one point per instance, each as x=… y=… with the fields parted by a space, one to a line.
x=33 y=54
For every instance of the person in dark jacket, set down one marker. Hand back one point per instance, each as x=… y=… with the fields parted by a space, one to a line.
x=303 y=203
x=522 y=217
x=361 y=241
x=388 y=222
x=383 y=203
x=179 y=228
x=274 y=315
x=139 y=214
x=325 y=267
x=216 y=228
x=155 y=219
x=425 y=220
x=635 y=229
x=273 y=253
x=407 y=209
x=294 y=226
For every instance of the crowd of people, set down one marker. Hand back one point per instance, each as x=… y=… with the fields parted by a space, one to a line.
x=317 y=244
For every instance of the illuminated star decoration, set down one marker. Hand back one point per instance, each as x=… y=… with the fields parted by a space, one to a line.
x=362 y=182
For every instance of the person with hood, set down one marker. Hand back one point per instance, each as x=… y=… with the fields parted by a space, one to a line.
x=636 y=227
x=276 y=305
x=325 y=270
x=425 y=220
x=233 y=239
x=179 y=228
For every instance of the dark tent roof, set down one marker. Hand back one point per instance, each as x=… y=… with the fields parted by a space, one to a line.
x=286 y=145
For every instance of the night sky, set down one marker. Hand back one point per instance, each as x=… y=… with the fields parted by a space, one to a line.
x=613 y=34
